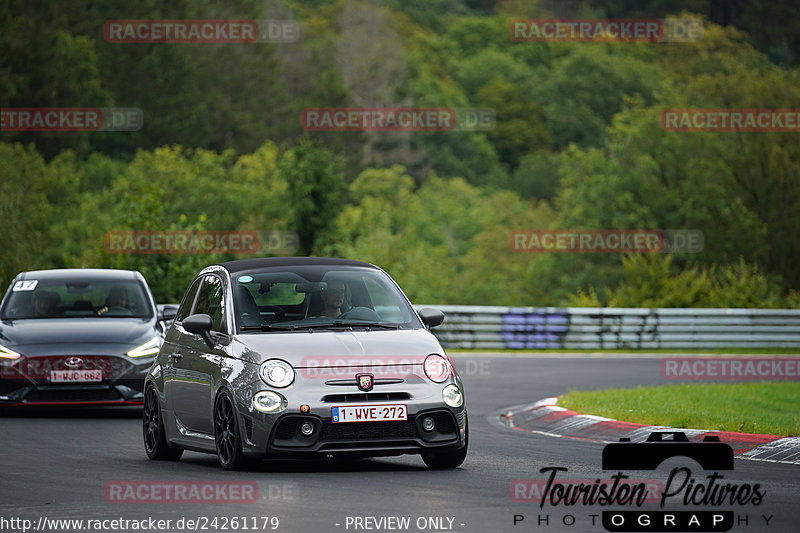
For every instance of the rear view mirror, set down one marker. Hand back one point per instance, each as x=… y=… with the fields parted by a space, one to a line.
x=310 y=287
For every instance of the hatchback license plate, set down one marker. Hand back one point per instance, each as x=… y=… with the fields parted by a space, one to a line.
x=71 y=376
x=369 y=413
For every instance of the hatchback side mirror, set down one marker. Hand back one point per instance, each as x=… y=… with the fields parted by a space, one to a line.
x=431 y=317
x=199 y=324
x=167 y=312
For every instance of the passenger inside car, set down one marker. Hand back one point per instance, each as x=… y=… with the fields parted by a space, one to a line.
x=45 y=303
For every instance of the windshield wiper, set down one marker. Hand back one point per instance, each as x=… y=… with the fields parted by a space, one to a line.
x=340 y=323
x=318 y=325
x=271 y=327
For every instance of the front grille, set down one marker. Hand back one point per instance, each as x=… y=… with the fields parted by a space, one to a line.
x=287 y=428
x=367 y=397
x=76 y=395
x=444 y=422
x=38 y=368
x=368 y=430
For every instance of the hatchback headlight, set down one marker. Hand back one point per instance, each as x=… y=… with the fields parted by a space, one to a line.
x=6 y=353
x=437 y=368
x=151 y=347
x=452 y=396
x=277 y=373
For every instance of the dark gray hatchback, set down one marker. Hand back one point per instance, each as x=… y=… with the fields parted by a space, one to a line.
x=77 y=336
x=303 y=357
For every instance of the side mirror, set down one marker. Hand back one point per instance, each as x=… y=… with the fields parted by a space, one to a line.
x=431 y=317
x=167 y=312
x=199 y=324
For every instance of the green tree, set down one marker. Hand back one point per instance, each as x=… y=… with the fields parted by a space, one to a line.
x=316 y=189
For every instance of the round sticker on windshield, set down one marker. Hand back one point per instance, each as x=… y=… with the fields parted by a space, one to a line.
x=245 y=279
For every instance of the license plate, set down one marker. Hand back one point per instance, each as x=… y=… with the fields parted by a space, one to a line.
x=369 y=413
x=71 y=376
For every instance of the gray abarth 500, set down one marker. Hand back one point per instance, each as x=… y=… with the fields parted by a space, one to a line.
x=302 y=358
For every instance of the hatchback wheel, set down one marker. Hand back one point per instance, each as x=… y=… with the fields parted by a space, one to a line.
x=155 y=442
x=227 y=435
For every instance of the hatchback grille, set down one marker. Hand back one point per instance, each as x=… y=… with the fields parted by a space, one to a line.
x=368 y=430
x=366 y=397
x=77 y=395
x=38 y=368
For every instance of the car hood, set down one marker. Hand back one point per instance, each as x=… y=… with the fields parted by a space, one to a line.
x=48 y=334
x=324 y=348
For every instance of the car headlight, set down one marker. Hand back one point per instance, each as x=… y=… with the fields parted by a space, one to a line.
x=276 y=372
x=452 y=396
x=151 y=347
x=6 y=353
x=437 y=368
x=269 y=402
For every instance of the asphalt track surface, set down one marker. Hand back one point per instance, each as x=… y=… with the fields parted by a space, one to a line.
x=55 y=464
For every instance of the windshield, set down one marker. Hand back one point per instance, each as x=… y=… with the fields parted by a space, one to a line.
x=319 y=297
x=71 y=298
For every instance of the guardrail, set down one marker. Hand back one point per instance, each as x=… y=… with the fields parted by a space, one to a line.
x=615 y=328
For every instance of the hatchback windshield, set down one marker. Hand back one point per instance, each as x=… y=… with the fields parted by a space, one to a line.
x=279 y=299
x=70 y=298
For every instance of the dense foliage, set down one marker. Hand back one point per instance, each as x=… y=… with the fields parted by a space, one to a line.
x=577 y=144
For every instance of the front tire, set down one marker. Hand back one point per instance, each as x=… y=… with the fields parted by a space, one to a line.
x=155 y=442
x=227 y=435
x=446 y=459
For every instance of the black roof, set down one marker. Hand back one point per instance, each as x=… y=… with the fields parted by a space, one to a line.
x=267 y=262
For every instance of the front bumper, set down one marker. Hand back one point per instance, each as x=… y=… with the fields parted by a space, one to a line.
x=389 y=438
x=28 y=381
x=279 y=436
x=311 y=397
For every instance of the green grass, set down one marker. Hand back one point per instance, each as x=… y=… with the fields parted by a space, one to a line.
x=761 y=407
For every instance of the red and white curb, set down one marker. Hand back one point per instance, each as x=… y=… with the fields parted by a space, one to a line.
x=546 y=418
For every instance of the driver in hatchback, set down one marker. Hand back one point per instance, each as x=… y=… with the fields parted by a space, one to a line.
x=117 y=297
x=333 y=299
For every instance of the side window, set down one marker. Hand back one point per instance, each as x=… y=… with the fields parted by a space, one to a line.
x=211 y=301
x=186 y=306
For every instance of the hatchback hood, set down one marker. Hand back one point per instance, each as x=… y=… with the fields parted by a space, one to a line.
x=60 y=331
x=323 y=348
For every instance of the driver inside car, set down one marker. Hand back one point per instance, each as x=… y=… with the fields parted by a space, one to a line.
x=333 y=299
x=117 y=298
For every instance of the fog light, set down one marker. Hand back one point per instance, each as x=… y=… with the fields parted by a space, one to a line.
x=452 y=396
x=269 y=402
x=306 y=428
x=428 y=424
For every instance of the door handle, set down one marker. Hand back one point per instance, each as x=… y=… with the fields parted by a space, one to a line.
x=176 y=355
